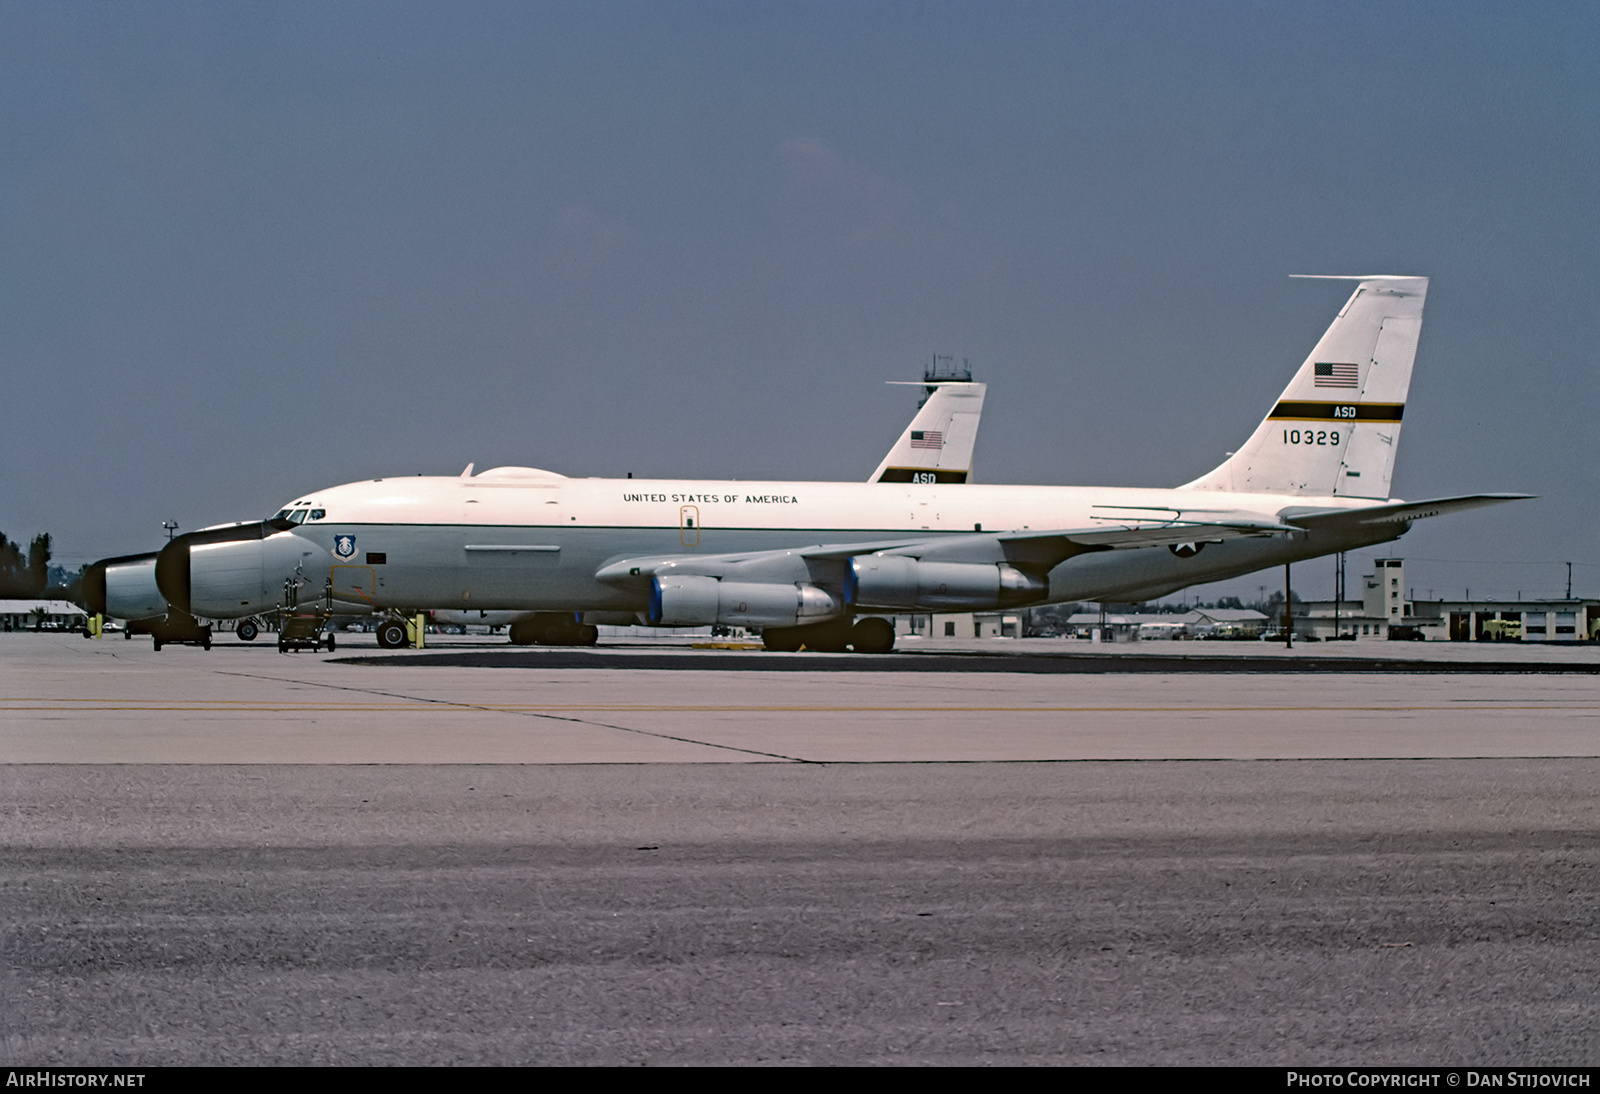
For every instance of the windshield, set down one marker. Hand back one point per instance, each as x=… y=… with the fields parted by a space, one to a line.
x=296 y=516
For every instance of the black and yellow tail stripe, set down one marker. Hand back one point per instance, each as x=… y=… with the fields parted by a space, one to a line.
x=1338 y=412
x=921 y=474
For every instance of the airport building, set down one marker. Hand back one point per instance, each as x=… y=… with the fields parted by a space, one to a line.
x=1213 y=623
x=1387 y=611
x=50 y=615
x=1095 y=626
x=962 y=625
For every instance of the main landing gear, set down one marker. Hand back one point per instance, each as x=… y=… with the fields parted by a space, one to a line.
x=871 y=635
x=554 y=629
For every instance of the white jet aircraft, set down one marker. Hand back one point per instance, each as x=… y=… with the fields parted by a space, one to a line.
x=809 y=562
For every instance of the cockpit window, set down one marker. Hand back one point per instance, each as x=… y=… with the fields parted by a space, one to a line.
x=281 y=514
x=298 y=516
x=318 y=514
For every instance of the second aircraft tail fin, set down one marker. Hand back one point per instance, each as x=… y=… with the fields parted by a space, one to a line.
x=1335 y=428
x=937 y=445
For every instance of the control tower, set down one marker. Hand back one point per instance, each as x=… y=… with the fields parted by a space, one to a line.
x=944 y=370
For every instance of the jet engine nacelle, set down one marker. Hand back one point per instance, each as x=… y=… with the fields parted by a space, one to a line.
x=896 y=582
x=227 y=573
x=124 y=588
x=692 y=601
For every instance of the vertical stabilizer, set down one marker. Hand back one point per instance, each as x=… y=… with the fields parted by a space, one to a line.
x=937 y=445
x=1335 y=428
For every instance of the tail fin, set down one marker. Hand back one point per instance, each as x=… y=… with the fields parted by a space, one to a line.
x=937 y=445
x=1335 y=428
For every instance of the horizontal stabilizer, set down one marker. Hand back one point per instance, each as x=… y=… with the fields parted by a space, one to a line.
x=1399 y=512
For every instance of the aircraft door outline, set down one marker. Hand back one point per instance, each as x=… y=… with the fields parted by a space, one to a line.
x=353 y=583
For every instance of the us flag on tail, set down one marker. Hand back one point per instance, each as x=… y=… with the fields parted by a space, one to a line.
x=1328 y=374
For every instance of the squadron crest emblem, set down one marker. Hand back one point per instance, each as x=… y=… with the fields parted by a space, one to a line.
x=344 y=546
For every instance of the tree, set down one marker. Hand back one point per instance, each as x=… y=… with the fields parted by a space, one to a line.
x=66 y=584
x=1050 y=617
x=24 y=577
x=39 y=561
x=1272 y=607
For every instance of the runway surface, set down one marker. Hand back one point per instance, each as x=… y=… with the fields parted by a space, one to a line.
x=247 y=857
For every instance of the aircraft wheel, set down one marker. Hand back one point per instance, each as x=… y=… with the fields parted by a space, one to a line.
x=128 y=634
x=247 y=631
x=831 y=637
x=157 y=643
x=330 y=641
x=781 y=639
x=521 y=634
x=872 y=636
x=283 y=646
x=588 y=634
x=392 y=634
x=556 y=630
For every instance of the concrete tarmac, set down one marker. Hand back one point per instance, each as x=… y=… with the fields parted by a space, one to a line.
x=243 y=857
x=68 y=700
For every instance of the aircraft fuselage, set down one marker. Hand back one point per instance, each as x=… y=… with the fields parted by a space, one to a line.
x=539 y=542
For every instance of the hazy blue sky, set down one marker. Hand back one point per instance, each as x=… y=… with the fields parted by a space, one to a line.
x=247 y=250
